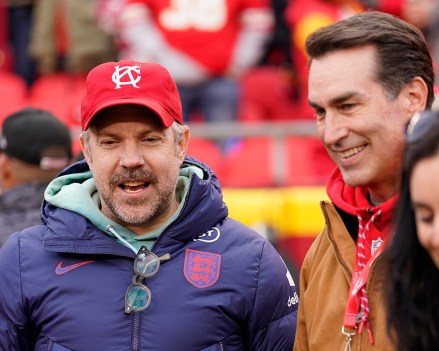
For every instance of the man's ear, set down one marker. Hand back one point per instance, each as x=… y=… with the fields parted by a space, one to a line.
x=415 y=95
x=84 y=148
x=183 y=143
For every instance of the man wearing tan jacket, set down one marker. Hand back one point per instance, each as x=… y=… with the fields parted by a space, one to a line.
x=369 y=75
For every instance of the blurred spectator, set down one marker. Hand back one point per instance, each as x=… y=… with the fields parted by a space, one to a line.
x=13 y=89
x=424 y=14
x=206 y=45
x=19 y=24
x=393 y=7
x=34 y=147
x=66 y=37
x=304 y=17
x=3 y=34
x=419 y=12
x=268 y=90
x=278 y=50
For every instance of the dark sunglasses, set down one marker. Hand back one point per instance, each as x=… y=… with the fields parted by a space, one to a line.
x=146 y=264
x=420 y=125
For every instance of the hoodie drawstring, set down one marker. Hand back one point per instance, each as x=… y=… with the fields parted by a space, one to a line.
x=363 y=231
x=111 y=230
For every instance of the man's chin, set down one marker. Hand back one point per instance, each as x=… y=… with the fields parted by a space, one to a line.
x=353 y=179
x=129 y=218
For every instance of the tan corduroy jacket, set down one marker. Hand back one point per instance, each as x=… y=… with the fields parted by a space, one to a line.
x=324 y=286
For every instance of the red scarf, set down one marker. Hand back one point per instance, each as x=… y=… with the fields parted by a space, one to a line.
x=374 y=224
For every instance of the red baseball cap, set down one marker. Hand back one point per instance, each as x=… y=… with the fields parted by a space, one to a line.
x=131 y=82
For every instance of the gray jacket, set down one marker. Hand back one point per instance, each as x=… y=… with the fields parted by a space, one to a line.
x=20 y=207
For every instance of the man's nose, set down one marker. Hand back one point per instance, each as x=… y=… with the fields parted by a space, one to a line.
x=333 y=129
x=131 y=156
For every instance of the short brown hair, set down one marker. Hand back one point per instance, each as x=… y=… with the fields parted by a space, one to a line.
x=401 y=49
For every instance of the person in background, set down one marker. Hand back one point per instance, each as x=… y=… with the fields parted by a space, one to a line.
x=206 y=46
x=424 y=14
x=66 y=37
x=392 y=7
x=19 y=21
x=411 y=259
x=277 y=51
x=369 y=75
x=138 y=235
x=34 y=147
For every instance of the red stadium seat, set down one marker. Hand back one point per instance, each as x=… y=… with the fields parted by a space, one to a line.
x=13 y=93
x=61 y=94
x=268 y=95
x=250 y=163
x=306 y=161
x=208 y=152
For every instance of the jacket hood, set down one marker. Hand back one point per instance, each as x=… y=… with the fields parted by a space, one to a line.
x=71 y=232
x=347 y=198
x=354 y=200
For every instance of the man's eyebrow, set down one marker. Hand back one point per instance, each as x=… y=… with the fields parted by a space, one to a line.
x=104 y=133
x=342 y=98
x=313 y=105
x=337 y=100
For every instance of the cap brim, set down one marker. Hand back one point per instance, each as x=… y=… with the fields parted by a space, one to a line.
x=153 y=105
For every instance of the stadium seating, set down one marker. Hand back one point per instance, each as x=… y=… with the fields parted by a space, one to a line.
x=13 y=92
x=61 y=94
x=209 y=152
x=267 y=94
x=249 y=163
x=306 y=161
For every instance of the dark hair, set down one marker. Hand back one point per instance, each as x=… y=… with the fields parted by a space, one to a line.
x=411 y=282
x=401 y=49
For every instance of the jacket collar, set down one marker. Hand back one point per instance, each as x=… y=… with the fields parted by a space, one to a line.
x=203 y=209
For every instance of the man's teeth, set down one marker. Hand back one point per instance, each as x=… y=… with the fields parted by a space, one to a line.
x=133 y=186
x=132 y=183
x=352 y=151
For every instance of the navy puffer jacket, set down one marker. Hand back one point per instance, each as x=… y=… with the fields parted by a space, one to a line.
x=63 y=284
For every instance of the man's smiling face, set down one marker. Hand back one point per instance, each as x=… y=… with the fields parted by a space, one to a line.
x=361 y=127
x=135 y=162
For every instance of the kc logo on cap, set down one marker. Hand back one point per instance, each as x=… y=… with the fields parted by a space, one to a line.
x=124 y=76
x=130 y=82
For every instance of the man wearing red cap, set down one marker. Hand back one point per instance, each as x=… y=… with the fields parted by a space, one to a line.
x=200 y=281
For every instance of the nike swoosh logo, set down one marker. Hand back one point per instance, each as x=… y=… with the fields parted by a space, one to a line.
x=61 y=270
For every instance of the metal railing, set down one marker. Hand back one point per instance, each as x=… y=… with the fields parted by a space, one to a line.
x=277 y=130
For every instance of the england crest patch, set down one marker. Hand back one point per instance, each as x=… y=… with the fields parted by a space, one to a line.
x=201 y=269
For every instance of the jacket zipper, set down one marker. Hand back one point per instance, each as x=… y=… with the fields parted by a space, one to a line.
x=136 y=315
x=136 y=331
